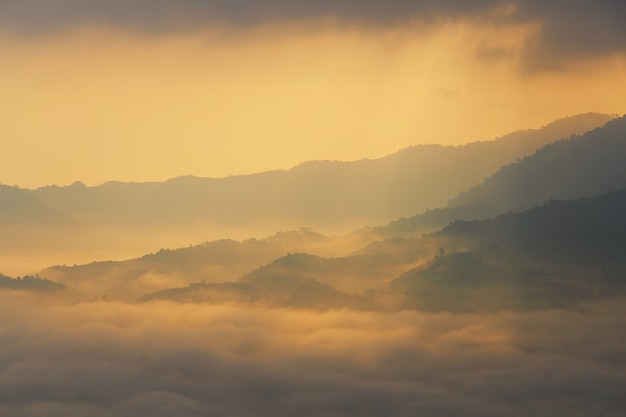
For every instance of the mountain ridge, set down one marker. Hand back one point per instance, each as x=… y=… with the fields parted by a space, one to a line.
x=579 y=166
x=317 y=194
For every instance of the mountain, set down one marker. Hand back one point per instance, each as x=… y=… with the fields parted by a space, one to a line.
x=212 y=262
x=560 y=254
x=210 y=293
x=352 y=274
x=572 y=231
x=319 y=194
x=29 y=283
x=583 y=166
x=29 y=228
x=557 y=255
x=318 y=295
x=587 y=165
x=78 y=224
x=19 y=206
x=431 y=220
x=218 y=261
x=309 y=293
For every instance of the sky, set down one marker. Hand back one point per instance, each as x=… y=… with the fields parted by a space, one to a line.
x=95 y=91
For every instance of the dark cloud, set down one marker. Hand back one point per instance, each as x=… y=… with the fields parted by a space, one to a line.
x=573 y=29
x=33 y=15
x=569 y=28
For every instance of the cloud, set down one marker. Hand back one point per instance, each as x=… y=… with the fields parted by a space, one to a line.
x=567 y=29
x=177 y=15
x=573 y=29
x=162 y=359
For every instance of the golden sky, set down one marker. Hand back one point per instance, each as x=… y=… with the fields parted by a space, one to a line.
x=96 y=101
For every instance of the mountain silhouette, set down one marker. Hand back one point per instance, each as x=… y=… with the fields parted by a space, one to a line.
x=557 y=255
x=210 y=293
x=573 y=230
x=431 y=220
x=19 y=206
x=318 y=194
x=29 y=283
x=587 y=165
x=583 y=166
x=217 y=261
x=352 y=274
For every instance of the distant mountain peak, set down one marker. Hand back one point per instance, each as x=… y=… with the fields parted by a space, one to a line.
x=583 y=165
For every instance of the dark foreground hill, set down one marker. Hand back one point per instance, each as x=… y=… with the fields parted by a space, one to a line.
x=573 y=230
x=557 y=255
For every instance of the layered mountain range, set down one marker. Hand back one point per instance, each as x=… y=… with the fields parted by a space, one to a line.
x=543 y=230
x=319 y=194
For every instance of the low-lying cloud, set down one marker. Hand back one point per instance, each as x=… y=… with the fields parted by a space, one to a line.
x=162 y=359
